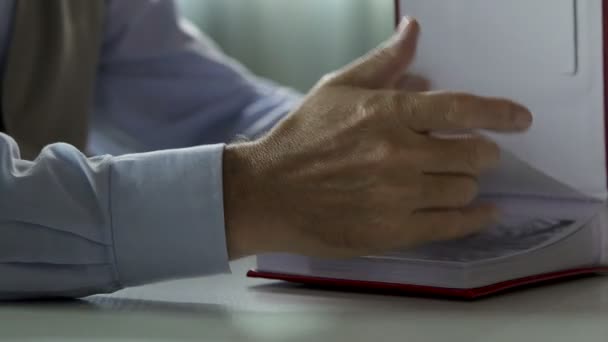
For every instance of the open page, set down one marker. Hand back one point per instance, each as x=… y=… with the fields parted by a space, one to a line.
x=516 y=178
x=534 y=237
x=546 y=54
x=526 y=225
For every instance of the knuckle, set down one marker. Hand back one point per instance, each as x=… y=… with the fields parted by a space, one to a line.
x=472 y=158
x=413 y=106
x=409 y=110
x=385 y=150
x=372 y=104
x=459 y=110
x=385 y=53
x=451 y=110
x=454 y=108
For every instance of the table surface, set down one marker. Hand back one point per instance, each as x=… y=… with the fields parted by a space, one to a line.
x=234 y=308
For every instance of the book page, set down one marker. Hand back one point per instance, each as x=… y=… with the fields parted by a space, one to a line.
x=545 y=54
x=526 y=226
x=513 y=236
x=514 y=177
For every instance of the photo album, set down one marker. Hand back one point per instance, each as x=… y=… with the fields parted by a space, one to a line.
x=551 y=185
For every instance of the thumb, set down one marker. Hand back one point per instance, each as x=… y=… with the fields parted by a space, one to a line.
x=386 y=64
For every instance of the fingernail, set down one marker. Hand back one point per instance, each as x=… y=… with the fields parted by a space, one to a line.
x=523 y=120
x=403 y=26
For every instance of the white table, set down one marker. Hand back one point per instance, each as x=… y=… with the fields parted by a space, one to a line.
x=234 y=308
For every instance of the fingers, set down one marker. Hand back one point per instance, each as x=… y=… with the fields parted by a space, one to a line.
x=446 y=192
x=458 y=156
x=453 y=224
x=383 y=66
x=426 y=112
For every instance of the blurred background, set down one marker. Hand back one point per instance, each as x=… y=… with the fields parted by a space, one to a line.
x=293 y=42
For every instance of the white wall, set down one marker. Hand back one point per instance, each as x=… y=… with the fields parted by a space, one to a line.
x=293 y=41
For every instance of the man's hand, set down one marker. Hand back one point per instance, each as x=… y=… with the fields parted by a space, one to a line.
x=355 y=169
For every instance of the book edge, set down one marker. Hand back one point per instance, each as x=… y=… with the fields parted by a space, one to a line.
x=413 y=289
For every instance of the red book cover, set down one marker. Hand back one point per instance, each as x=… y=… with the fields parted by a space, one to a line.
x=418 y=290
x=473 y=293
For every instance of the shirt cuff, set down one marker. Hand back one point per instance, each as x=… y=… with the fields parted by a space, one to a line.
x=167 y=215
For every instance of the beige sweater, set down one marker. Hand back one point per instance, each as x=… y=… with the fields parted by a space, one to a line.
x=50 y=73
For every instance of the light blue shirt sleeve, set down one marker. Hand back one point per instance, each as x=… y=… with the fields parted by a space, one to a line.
x=72 y=226
x=163 y=84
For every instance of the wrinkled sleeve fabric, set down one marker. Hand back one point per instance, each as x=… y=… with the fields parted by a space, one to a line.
x=163 y=84
x=72 y=226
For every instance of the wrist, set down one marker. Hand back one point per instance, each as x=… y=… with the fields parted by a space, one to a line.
x=242 y=212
